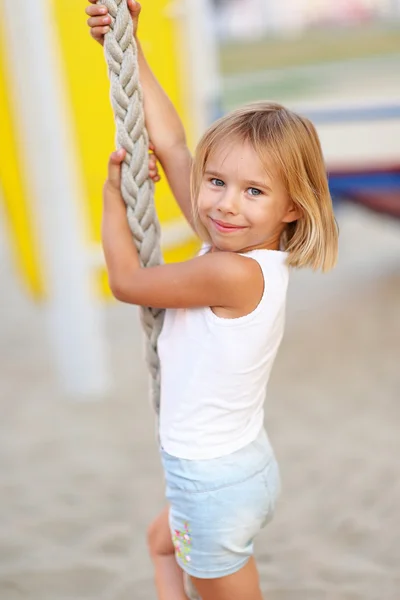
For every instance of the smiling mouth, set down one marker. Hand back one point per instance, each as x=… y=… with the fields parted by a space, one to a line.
x=226 y=227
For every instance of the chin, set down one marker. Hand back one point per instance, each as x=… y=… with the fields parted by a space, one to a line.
x=226 y=245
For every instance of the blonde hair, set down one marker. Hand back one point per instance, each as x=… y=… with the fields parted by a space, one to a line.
x=292 y=142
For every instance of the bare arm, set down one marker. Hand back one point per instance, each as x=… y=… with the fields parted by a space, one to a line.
x=221 y=279
x=163 y=123
x=167 y=134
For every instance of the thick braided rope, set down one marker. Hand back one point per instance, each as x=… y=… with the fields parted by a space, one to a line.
x=137 y=189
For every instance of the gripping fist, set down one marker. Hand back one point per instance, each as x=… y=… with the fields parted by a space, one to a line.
x=99 y=19
x=112 y=185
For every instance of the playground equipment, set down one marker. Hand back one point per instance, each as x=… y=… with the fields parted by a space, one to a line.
x=137 y=189
x=43 y=130
x=362 y=153
x=136 y=186
x=54 y=161
x=377 y=189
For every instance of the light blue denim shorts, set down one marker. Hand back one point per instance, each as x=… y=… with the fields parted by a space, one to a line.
x=217 y=506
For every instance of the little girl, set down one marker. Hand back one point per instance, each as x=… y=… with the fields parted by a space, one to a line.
x=261 y=205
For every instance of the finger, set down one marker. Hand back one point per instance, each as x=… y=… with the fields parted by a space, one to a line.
x=99 y=32
x=151 y=146
x=152 y=161
x=114 y=167
x=99 y=21
x=153 y=171
x=134 y=7
x=96 y=10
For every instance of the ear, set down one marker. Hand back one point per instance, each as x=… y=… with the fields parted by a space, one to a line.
x=293 y=213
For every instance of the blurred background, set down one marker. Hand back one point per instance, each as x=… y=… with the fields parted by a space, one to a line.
x=80 y=477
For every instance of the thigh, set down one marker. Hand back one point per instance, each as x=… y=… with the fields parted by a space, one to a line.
x=242 y=585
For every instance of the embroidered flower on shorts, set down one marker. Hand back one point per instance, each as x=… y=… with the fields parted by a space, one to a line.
x=182 y=541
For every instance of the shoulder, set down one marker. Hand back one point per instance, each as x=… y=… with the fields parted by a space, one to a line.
x=231 y=266
x=242 y=279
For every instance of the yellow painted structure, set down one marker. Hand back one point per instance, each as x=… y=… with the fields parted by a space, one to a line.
x=14 y=189
x=87 y=86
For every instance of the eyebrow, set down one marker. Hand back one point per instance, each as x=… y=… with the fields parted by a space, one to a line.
x=249 y=182
x=215 y=173
x=258 y=184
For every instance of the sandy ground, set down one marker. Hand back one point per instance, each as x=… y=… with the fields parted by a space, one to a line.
x=79 y=482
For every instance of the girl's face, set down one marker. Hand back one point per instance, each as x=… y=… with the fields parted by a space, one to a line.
x=241 y=204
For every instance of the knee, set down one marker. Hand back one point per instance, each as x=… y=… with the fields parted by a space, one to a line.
x=152 y=542
x=157 y=543
x=159 y=540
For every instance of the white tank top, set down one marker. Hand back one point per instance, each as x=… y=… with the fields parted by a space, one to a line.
x=214 y=370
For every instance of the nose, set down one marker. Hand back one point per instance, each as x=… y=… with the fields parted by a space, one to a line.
x=228 y=203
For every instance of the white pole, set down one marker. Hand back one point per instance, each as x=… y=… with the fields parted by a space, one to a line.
x=45 y=136
x=200 y=59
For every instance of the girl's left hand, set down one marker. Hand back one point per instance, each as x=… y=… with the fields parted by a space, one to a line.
x=113 y=183
x=114 y=206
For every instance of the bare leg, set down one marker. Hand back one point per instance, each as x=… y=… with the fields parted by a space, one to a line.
x=168 y=574
x=243 y=585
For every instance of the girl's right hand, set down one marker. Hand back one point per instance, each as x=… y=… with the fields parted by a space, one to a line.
x=99 y=19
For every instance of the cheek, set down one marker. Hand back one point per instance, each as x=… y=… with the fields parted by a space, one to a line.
x=201 y=211
x=260 y=214
x=274 y=210
x=203 y=203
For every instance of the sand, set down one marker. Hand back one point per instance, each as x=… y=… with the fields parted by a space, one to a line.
x=79 y=482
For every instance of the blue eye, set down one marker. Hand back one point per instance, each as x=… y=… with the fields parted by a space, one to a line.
x=254 y=192
x=217 y=182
